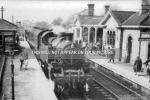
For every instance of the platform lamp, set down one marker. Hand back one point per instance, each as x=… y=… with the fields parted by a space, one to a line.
x=12 y=70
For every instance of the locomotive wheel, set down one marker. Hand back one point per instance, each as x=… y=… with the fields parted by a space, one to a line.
x=60 y=62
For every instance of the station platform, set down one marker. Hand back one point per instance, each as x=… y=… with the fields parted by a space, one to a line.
x=30 y=84
x=125 y=70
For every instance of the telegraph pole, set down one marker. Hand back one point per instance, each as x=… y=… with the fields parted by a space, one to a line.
x=2 y=10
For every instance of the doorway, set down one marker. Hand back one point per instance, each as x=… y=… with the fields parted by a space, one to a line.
x=92 y=35
x=129 y=49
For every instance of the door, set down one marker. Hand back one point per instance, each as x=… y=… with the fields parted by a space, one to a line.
x=129 y=49
x=148 y=56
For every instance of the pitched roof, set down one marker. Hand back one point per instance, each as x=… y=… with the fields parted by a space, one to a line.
x=146 y=22
x=83 y=12
x=4 y=24
x=121 y=16
x=89 y=20
x=138 y=19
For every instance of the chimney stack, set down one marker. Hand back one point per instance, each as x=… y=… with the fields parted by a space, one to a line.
x=145 y=6
x=106 y=8
x=91 y=9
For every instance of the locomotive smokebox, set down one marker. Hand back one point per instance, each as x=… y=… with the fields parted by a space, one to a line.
x=69 y=36
x=61 y=34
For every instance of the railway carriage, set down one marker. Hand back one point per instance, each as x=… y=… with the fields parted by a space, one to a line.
x=2 y=46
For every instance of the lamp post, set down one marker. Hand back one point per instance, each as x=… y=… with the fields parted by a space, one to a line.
x=12 y=72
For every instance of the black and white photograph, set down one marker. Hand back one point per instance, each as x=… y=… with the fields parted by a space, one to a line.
x=74 y=49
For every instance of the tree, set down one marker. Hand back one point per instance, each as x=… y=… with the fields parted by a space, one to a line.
x=115 y=7
x=58 y=21
x=27 y=23
x=67 y=24
x=42 y=24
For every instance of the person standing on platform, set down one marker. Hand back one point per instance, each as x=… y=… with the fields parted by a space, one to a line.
x=21 y=61
x=137 y=65
x=148 y=70
x=84 y=44
x=17 y=39
x=112 y=54
x=24 y=59
x=147 y=63
x=109 y=56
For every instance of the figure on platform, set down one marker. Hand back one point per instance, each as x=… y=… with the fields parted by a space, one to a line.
x=147 y=63
x=24 y=59
x=148 y=70
x=17 y=39
x=111 y=54
x=21 y=61
x=108 y=54
x=86 y=87
x=80 y=43
x=84 y=44
x=137 y=65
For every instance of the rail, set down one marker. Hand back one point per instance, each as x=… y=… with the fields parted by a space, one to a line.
x=103 y=66
x=108 y=90
x=143 y=98
x=2 y=68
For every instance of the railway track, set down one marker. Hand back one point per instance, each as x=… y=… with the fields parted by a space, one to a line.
x=99 y=92
x=74 y=98
x=118 y=90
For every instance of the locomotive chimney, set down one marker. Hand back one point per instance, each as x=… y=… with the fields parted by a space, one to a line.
x=91 y=9
x=69 y=36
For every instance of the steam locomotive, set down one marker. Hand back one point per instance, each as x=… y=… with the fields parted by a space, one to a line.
x=69 y=70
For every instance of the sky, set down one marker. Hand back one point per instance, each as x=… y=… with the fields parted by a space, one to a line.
x=48 y=10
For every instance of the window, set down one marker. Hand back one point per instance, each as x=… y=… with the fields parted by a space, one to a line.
x=114 y=37
x=111 y=38
x=78 y=33
x=148 y=56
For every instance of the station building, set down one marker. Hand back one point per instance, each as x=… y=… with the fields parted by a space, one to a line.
x=7 y=35
x=127 y=31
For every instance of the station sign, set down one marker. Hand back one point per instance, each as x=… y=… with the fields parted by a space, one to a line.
x=144 y=39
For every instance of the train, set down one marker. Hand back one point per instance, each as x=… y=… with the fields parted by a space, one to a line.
x=68 y=68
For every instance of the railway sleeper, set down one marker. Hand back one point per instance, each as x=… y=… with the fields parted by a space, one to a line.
x=128 y=97
x=111 y=98
x=103 y=92
x=88 y=97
